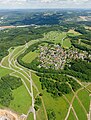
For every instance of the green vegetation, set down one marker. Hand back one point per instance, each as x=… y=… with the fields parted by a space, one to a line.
x=60 y=83
x=30 y=117
x=86 y=102
x=71 y=116
x=73 y=33
x=28 y=58
x=21 y=100
x=79 y=110
x=5 y=61
x=37 y=103
x=55 y=36
x=58 y=105
x=51 y=115
x=80 y=69
x=19 y=36
x=7 y=85
x=4 y=71
x=54 y=89
x=66 y=43
x=89 y=87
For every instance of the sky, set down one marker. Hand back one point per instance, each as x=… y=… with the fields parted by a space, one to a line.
x=42 y=4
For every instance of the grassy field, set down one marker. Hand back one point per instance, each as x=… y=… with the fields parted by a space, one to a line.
x=59 y=105
x=89 y=87
x=73 y=33
x=55 y=36
x=71 y=116
x=30 y=117
x=85 y=99
x=79 y=110
x=5 y=61
x=22 y=100
x=69 y=96
x=66 y=43
x=28 y=58
x=22 y=77
x=40 y=114
x=4 y=71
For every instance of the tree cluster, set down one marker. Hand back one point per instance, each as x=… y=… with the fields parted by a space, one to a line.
x=7 y=85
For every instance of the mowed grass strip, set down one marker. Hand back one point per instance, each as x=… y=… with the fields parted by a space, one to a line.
x=5 y=61
x=58 y=105
x=71 y=116
x=85 y=99
x=22 y=100
x=79 y=110
x=28 y=58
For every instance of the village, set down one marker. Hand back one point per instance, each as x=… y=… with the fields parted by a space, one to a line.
x=55 y=57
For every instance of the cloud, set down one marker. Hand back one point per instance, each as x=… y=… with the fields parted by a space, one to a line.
x=45 y=4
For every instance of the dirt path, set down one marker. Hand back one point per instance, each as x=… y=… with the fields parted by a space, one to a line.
x=12 y=60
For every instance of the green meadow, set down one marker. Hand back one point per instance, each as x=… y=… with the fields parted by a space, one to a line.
x=22 y=100
x=29 y=57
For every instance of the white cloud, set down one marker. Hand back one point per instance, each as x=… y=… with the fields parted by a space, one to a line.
x=45 y=3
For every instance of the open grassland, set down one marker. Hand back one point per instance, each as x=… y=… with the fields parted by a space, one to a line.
x=28 y=58
x=4 y=71
x=73 y=33
x=69 y=96
x=66 y=43
x=22 y=100
x=84 y=98
x=55 y=36
x=40 y=114
x=23 y=78
x=58 y=105
x=30 y=117
x=79 y=110
x=71 y=116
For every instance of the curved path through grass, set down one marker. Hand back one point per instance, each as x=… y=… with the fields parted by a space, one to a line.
x=25 y=75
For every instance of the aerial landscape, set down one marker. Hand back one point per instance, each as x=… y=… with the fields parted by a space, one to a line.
x=45 y=60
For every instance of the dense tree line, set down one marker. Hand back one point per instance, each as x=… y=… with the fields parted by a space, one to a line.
x=59 y=87
x=7 y=84
x=80 y=69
